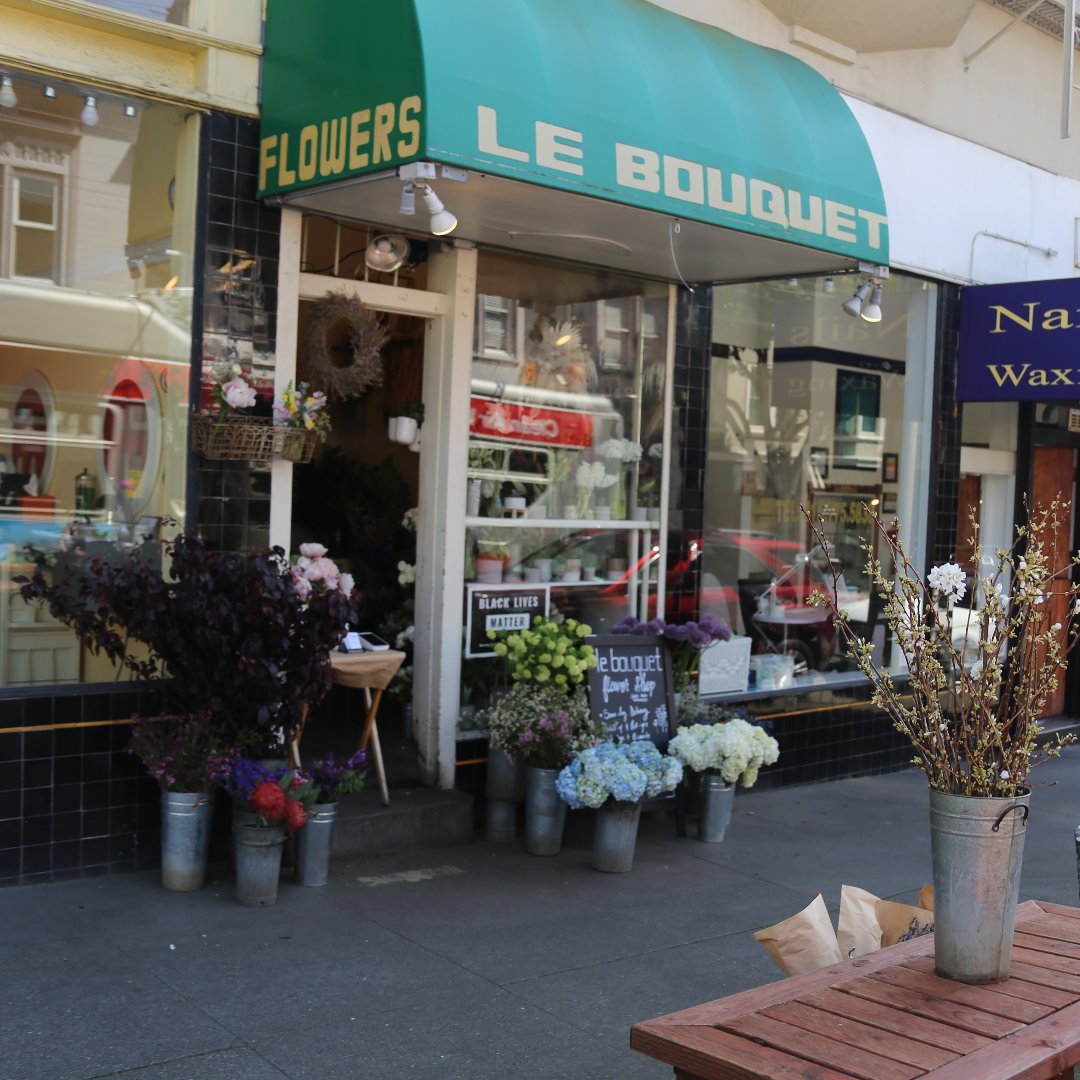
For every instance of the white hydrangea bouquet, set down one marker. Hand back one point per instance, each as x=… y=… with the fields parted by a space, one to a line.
x=614 y=772
x=735 y=750
x=971 y=710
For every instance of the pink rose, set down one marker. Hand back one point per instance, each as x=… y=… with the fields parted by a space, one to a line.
x=238 y=394
x=323 y=570
x=302 y=586
x=346 y=584
x=312 y=551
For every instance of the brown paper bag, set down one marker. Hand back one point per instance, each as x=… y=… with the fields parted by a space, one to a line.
x=858 y=931
x=803 y=943
x=901 y=922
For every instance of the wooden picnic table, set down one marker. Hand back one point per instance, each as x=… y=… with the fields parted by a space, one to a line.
x=887 y=1016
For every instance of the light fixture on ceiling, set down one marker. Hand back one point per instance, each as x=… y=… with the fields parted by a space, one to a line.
x=8 y=98
x=89 y=114
x=829 y=285
x=48 y=91
x=386 y=253
x=866 y=303
x=408 y=200
x=130 y=110
x=442 y=221
x=793 y=282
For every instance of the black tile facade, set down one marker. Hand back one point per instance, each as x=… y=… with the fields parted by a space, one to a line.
x=72 y=801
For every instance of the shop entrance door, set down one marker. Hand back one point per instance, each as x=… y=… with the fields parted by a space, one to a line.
x=1054 y=473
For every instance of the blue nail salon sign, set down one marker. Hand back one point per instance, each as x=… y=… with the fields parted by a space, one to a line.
x=1020 y=342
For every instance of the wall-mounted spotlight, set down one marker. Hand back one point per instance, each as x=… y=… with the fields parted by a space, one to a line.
x=408 y=200
x=8 y=98
x=442 y=221
x=130 y=110
x=89 y=114
x=853 y=307
x=866 y=303
x=48 y=91
x=829 y=285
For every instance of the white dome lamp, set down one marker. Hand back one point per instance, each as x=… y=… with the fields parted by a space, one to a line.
x=89 y=114
x=386 y=253
x=853 y=307
x=442 y=221
x=8 y=98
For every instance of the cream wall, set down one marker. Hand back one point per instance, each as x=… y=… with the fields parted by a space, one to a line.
x=1008 y=98
x=214 y=67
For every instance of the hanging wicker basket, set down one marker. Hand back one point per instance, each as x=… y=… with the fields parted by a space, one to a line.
x=250 y=438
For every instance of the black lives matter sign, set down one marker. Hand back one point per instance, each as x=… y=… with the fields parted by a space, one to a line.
x=500 y=608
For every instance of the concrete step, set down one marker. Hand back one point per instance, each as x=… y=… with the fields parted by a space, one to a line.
x=417 y=817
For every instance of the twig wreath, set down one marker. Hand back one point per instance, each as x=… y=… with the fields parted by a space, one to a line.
x=342 y=347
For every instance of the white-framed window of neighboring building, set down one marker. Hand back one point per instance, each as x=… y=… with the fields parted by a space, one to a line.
x=34 y=231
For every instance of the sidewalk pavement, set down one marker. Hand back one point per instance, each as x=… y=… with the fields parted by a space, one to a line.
x=462 y=963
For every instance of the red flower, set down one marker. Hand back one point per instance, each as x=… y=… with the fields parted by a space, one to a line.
x=268 y=800
x=295 y=815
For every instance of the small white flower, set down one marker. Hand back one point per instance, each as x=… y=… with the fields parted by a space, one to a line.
x=1004 y=774
x=948 y=580
x=1056 y=627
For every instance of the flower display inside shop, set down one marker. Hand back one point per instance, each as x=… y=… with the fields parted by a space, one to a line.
x=650 y=475
x=552 y=650
x=591 y=476
x=278 y=797
x=971 y=708
x=735 y=750
x=617 y=772
x=687 y=640
x=540 y=726
x=330 y=780
x=302 y=408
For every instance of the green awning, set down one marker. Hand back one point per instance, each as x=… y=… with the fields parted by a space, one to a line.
x=614 y=99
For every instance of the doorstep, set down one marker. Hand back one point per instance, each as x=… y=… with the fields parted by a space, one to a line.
x=416 y=818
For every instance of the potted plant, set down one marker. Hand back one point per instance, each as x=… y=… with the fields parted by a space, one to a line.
x=329 y=781
x=545 y=718
x=613 y=778
x=618 y=455
x=189 y=756
x=492 y=558
x=241 y=640
x=722 y=754
x=405 y=421
x=970 y=708
x=271 y=805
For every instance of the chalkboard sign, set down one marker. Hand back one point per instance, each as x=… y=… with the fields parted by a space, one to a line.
x=630 y=689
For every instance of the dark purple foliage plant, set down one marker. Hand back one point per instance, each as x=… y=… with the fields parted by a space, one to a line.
x=232 y=634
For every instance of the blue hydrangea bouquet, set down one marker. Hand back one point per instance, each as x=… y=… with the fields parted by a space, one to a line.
x=617 y=773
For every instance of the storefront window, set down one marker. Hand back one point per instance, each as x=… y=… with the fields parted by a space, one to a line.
x=809 y=407
x=235 y=20
x=566 y=437
x=96 y=230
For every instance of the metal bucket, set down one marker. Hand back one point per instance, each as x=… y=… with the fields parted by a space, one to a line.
x=313 y=845
x=977 y=846
x=504 y=789
x=615 y=837
x=185 y=838
x=545 y=812
x=715 y=799
x=258 y=863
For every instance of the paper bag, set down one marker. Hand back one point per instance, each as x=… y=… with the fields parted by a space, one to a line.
x=803 y=943
x=858 y=931
x=901 y=922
